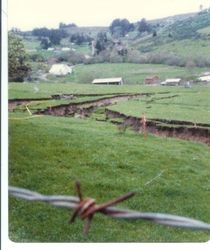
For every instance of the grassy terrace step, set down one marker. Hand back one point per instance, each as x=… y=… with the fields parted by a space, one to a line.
x=43 y=104
x=185 y=105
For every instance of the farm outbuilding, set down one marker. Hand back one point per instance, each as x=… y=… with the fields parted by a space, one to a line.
x=152 y=80
x=65 y=49
x=115 y=81
x=60 y=70
x=171 y=82
x=204 y=78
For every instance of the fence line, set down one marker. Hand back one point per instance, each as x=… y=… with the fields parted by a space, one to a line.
x=86 y=208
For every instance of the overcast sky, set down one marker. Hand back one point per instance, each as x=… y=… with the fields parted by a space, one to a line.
x=28 y=14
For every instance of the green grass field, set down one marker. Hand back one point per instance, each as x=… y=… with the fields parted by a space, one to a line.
x=184 y=104
x=42 y=90
x=48 y=154
x=131 y=73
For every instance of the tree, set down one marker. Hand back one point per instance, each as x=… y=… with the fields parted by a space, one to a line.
x=170 y=35
x=154 y=34
x=56 y=35
x=144 y=26
x=120 y=27
x=45 y=44
x=101 y=42
x=18 y=69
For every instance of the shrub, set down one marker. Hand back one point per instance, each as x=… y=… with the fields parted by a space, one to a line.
x=115 y=57
x=37 y=57
x=134 y=56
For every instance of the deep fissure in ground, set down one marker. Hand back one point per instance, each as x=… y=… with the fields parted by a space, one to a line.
x=160 y=127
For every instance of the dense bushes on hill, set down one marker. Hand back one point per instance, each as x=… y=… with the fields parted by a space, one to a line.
x=54 y=35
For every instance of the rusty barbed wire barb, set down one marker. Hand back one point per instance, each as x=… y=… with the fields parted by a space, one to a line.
x=87 y=207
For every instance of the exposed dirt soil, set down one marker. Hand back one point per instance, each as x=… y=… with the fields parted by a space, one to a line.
x=181 y=131
x=160 y=127
x=86 y=107
x=12 y=104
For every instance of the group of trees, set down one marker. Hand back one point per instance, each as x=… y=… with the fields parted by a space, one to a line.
x=64 y=26
x=80 y=38
x=120 y=27
x=49 y=37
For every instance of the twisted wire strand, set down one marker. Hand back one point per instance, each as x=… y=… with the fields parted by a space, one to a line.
x=56 y=200
x=114 y=212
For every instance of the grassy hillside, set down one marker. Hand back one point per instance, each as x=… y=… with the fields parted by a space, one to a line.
x=195 y=48
x=185 y=38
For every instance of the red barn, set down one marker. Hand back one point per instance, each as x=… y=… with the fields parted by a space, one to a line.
x=152 y=80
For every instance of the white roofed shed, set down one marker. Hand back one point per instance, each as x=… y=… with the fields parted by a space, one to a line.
x=171 y=81
x=204 y=78
x=116 y=80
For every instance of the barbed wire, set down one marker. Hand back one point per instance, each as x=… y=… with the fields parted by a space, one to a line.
x=86 y=208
